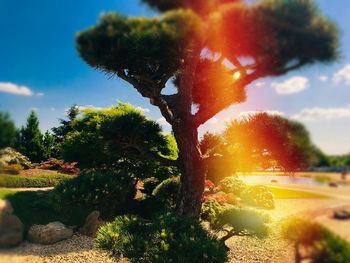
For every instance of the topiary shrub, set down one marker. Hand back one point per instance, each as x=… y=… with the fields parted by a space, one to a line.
x=259 y=196
x=166 y=192
x=166 y=238
x=104 y=190
x=149 y=184
x=210 y=210
x=321 y=244
x=232 y=185
x=238 y=221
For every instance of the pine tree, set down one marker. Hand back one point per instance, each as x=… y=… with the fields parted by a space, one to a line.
x=212 y=50
x=7 y=131
x=30 y=139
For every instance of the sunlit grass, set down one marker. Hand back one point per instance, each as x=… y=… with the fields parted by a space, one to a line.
x=5 y=193
x=280 y=193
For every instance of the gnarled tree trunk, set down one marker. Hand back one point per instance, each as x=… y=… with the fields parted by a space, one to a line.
x=192 y=171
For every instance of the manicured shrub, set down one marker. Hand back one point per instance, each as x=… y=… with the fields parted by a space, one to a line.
x=322 y=245
x=11 y=168
x=43 y=180
x=232 y=185
x=104 y=190
x=219 y=197
x=330 y=249
x=166 y=238
x=149 y=184
x=259 y=196
x=242 y=221
x=210 y=210
x=166 y=192
x=59 y=165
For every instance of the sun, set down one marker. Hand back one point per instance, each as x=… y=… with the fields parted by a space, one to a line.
x=236 y=75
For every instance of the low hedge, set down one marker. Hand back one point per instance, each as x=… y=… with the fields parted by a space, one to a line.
x=43 y=180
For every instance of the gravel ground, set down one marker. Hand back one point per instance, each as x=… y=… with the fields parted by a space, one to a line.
x=78 y=249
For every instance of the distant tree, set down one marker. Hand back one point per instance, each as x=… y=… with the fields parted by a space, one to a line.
x=7 y=131
x=30 y=139
x=211 y=49
x=261 y=139
x=49 y=145
x=65 y=127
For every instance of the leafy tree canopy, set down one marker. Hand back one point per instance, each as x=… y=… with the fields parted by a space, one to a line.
x=30 y=139
x=273 y=37
x=116 y=137
x=7 y=131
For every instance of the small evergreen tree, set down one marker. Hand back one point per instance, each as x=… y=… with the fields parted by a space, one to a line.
x=49 y=145
x=30 y=139
x=7 y=131
x=61 y=131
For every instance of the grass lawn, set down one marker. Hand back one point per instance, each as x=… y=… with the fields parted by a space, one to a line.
x=280 y=193
x=42 y=180
x=32 y=208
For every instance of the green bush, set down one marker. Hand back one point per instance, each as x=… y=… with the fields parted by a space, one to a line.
x=322 y=245
x=242 y=221
x=330 y=249
x=105 y=190
x=210 y=210
x=149 y=184
x=232 y=185
x=259 y=196
x=166 y=192
x=166 y=238
x=13 y=169
x=43 y=180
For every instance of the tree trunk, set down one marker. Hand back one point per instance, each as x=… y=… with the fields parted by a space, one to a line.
x=192 y=171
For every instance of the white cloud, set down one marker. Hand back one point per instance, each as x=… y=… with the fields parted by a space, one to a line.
x=144 y=110
x=343 y=75
x=316 y=114
x=323 y=78
x=40 y=94
x=162 y=121
x=244 y=114
x=92 y=107
x=291 y=86
x=35 y=109
x=8 y=87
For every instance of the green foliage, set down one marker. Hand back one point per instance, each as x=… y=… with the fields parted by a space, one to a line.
x=322 y=245
x=146 y=47
x=331 y=249
x=108 y=191
x=11 y=168
x=30 y=139
x=232 y=185
x=149 y=184
x=167 y=191
x=65 y=127
x=222 y=164
x=210 y=210
x=34 y=208
x=243 y=221
x=258 y=195
x=119 y=137
x=166 y=238
x=7 y=131
x=34 y=181
x=49 y=145
x=262 y=138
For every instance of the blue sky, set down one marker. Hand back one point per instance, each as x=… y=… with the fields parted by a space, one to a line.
x=40 y=69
